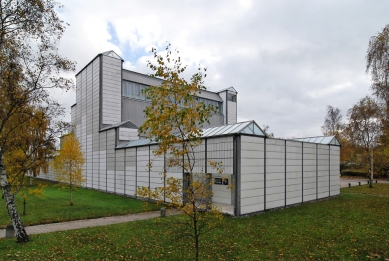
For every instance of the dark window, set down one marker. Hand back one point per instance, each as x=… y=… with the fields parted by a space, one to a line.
x=231 y=97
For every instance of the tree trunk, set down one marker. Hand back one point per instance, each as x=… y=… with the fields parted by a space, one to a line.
x=195 y=229
x=20 y=231
x=71 y=197
x=371 y=169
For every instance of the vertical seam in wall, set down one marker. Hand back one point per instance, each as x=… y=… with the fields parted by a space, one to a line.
x=264 y=172
x=93 y=160
x=317 y=161
x=121 y=91
x=86 y=124
x=114 y=175
x=285 y=175
x=125 y=174
x=106 y=160
x=226 y=107
x=206 y=156
x=114 y=167
x=329 y=170
x=136 y=171
x=239 y=167
x=302 y=171
x=235 y=176
x=149 y=169
x=236 y=108
x=101 y=93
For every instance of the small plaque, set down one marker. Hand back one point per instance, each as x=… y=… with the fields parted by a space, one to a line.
x=218 y=181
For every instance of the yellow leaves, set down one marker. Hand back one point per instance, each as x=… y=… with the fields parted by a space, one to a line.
x=38 y=191
x=68 y=164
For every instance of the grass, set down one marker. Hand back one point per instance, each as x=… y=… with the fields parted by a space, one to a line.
x=54 y=206
x=354 y=226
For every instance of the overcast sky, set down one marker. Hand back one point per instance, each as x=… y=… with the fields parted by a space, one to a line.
x=287 y=59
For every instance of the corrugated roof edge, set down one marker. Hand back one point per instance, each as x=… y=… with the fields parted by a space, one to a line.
x=100 y=54
x=241 y=127
x=328 y=143
x=117 y=125
x=228 y=88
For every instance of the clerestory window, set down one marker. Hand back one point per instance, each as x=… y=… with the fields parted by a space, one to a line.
x=231 y=97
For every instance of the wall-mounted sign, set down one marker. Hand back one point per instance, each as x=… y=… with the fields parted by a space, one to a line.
x=220 y=181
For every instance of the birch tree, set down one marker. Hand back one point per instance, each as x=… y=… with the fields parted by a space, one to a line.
x=30 y=31
x=364 y=127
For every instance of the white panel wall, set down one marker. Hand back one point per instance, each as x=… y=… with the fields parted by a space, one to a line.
x=309 y=159
x=143 y=170
x=102 y=178
x=223 y=95
x=275 y=173
x=94 y=115
x=252 y=174
x=111 y=90
x=232 y=112
x=294 y=170
x=323 y=171
x=111 y=160
x=130 y=171
x=85 y=118
x=156 y=172
x=128 y=134
x=220 y=150
x=199 y=158
x=335 y=171
x=119 y=174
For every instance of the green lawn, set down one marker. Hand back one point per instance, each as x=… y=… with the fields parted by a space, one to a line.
x=54 y=206
x=351 y=227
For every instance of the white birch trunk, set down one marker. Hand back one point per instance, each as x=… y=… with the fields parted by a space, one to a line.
x=20 y=231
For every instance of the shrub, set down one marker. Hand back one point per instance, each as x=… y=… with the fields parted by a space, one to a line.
x=353 y=172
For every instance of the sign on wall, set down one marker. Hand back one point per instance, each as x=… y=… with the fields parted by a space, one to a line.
x=220 y=181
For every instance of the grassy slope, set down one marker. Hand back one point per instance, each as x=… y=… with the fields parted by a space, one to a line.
x=54 y=206
x=351 y=227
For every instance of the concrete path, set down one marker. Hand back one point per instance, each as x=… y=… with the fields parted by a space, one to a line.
x=355 y=182
x=69 y=225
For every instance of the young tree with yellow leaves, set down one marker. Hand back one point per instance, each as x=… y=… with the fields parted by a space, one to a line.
x=67 y=165
x=174 y=119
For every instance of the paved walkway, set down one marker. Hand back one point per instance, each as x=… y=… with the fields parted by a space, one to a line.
x=69 y=225
x=355 y=182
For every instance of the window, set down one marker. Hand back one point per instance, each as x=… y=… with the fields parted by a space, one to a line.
x=217 y=105
x=133 y=90
x=231 y=97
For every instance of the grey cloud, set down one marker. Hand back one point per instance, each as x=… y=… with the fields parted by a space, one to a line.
x=287 y=59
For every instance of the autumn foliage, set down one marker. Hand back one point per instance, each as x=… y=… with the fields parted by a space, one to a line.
x=174 y=120
x=68 y=164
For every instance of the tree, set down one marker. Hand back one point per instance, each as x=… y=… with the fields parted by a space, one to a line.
x=364 y=127
x=30 y=31
x=332 y=121
x=377 y=59
x=173 y=119
x=68 y=164
x=266 y=128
